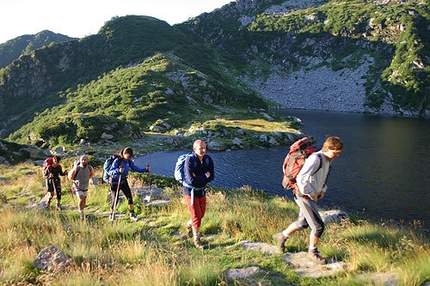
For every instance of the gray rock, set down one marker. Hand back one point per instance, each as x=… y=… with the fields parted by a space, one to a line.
x=155 y=128
x=216 y=146
x=106 y=136
x=236 y=141
x=52 y=259
x=306 y=267
x=242 y=272
x=334 y=216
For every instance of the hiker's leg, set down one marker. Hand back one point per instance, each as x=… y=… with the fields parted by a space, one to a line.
x=199 y=211
x=51 y=195
x=300 y=223
x=202 y=206
x=127 y=193
x=313 y=243
x=82 y=200
x=113 y=188
x=292 y=228
x=193 y=216
x=49 y=189
x=57 y=190
x=314 y=220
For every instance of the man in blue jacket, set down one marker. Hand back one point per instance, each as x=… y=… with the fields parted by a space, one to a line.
x=119 y=172
x=199 y=170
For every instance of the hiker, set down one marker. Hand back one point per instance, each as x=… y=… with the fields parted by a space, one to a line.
x=198 y=170
x=80 y=175
x=310 y=187
x=51 y=174
x=118 y=173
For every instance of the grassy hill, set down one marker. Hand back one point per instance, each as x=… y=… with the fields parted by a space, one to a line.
x=24 y=45
x=154 y=251
x=36 y=82
x=133 y=73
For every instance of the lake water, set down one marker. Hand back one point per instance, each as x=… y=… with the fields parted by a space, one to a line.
x=383 y=172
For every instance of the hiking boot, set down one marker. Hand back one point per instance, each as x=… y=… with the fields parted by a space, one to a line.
x=316 y=256
x=280 y=240
x=58 y=207
x=81 y=215
x=133 y=217
x=189 y=229
x=112 y=217
x=198 y=243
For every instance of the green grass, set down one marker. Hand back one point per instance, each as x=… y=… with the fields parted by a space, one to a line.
x=151 y=252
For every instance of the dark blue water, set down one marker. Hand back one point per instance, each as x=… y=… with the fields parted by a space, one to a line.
x=383 y=172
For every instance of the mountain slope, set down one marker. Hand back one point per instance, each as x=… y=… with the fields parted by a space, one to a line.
x=24 y=45
x=127 y=101
x=278 y=38
x=270 y=47
x=33 y=82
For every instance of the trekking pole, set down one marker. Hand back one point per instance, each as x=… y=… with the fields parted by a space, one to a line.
x=57 y=205
x=73 y=195
x=149 y=178
x=116 y=198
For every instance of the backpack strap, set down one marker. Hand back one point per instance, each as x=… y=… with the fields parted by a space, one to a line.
x=320 y=165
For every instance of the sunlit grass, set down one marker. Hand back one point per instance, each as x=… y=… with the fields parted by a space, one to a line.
x=153 y=251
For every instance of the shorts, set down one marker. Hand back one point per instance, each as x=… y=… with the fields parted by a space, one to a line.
x=80 y=193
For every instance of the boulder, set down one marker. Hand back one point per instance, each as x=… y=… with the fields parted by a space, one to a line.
x=334 y=216
x=53 y=259
x=106 y=136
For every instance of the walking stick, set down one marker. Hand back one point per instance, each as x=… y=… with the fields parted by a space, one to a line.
x=57 y=205
x=73 y=194
x=116 y=198
x=149 y=178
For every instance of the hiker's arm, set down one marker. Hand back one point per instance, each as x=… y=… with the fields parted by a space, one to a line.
x=62 y=173
x=92 y=172
x=136 y=168
x=71 y=175
x=211 y=171
x=190 y=176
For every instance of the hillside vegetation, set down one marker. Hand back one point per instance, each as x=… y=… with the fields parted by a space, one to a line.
x=135 y=72
x=128 y=100
x=156 y=251
x=24 y=45
x=280 y=37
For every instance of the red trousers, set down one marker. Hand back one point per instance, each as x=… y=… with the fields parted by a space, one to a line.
x=197 y=210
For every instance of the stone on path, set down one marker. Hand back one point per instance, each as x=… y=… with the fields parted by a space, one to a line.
x=242 y=272
x=305 y=267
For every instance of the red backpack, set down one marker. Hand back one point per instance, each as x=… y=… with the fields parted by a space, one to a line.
x=47 y=167
x=293 y=162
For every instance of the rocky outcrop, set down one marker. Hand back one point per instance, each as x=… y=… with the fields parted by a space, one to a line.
x=320 y=89
x=53 y=259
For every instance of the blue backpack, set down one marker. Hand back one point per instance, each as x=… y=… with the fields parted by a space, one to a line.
x=179 y=168
x=106 y=167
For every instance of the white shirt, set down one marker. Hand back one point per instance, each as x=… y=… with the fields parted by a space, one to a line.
x=310 y=180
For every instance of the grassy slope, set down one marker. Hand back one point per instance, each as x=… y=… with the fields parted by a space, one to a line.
x=162 y=87
x=152 y=253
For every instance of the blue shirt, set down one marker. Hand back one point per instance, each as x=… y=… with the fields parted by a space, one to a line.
x=195 y=174
x=127 y=166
